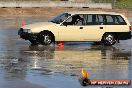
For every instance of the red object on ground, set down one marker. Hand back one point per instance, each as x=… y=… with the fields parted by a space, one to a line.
x=60 y=45
x=23 y=23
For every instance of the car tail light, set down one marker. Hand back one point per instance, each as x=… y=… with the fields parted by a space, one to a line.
x=130 y=27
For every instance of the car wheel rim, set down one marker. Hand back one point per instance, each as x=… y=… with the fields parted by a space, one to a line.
x=47 y=39
x=110 y=39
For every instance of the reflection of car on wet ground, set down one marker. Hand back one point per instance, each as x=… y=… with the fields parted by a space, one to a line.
x=104 y=27
x=93 y=52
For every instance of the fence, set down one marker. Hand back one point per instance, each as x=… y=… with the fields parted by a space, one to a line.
x=54 y=4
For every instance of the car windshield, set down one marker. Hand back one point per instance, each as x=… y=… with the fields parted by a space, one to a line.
x=60 y=18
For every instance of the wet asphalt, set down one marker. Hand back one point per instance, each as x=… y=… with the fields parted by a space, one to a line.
x=25 y=66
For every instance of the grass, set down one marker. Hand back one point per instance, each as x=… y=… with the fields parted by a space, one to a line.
x=124 y=4
x=117 y=3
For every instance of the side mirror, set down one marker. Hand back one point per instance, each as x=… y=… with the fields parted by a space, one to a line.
x=65 y=23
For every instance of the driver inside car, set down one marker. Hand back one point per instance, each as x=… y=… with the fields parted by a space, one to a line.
x=75 y=20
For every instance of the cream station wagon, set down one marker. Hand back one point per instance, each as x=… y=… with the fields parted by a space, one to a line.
x=104 y=27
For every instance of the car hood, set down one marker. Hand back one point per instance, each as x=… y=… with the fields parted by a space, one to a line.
x=39 y=25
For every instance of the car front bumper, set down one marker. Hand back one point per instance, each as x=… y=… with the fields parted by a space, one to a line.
x=26 y=34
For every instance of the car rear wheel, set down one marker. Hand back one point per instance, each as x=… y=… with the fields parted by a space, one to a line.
x=108 y=39
x=45 y=38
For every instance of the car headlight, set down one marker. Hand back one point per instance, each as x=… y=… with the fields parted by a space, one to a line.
x=27 y=30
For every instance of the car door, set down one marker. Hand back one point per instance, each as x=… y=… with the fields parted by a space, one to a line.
x=94 y=27
x=69 y=31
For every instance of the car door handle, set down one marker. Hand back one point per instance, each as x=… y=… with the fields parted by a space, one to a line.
x=101 y=27
x=81 y=27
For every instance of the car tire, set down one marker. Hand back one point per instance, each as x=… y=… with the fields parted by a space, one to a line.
x=45 y=38
x=108 y=39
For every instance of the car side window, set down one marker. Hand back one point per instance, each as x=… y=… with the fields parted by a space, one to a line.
x=91 y=19
x=120 y=20
x=75 y=20
x=109 y=20
x=101 y=20
x=114 y=20
x=94 y=19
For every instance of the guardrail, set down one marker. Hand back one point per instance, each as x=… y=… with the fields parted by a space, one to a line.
x=54 y=4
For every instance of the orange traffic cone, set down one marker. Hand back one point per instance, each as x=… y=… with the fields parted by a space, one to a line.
x=60 y=45
x=23 y=23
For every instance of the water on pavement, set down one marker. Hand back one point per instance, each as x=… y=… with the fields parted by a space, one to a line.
x=26 y=66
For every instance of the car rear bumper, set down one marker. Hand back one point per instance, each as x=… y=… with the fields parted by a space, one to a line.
x=124 y=35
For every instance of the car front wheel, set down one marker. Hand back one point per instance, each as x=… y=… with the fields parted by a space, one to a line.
x=108 y=39
x=45 y=39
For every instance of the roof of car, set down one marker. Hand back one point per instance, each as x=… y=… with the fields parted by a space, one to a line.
x=92 y=12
